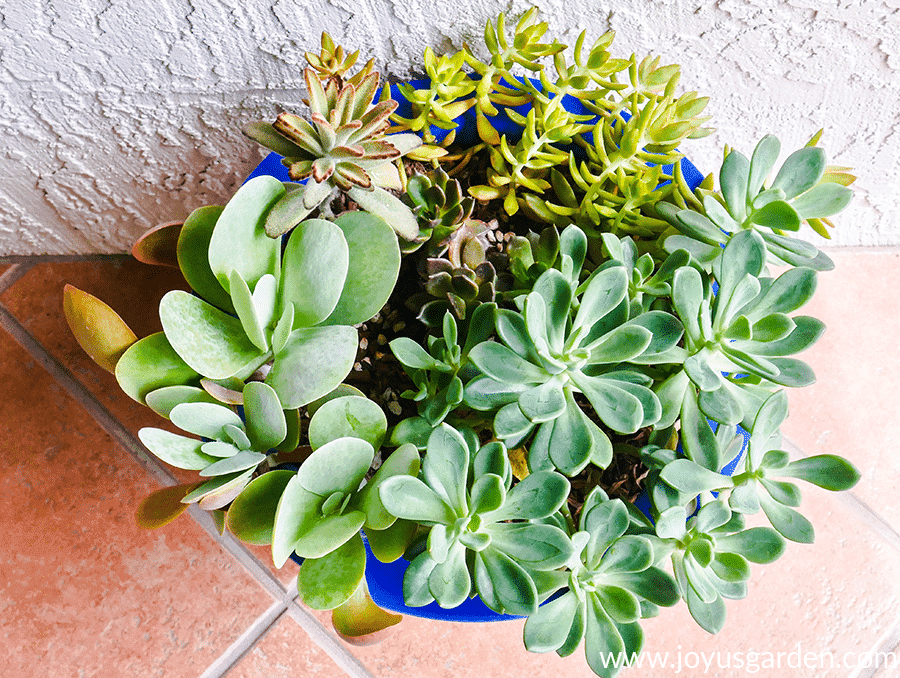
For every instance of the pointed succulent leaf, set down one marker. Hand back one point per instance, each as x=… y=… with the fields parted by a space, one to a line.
x=570 y=442
x=758 y=544
x=503 y=584
x=801 y=171
x=537 y=496
x=734 y=178
x=761 y=163
x=409 y=498
x=294 y=207
x=692 y=479
x=823 y=200
x=548 y=628
x=788 y=522
x=242 y=300
x=537 y=547
x=446 y=465
x=162 y=400
x=380 y=203
x=99 y=330
x=825 y=470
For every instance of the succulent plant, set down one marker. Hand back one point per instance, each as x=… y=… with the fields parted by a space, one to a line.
x=570 y=342
x=440 y=209
x=611 y=580
x=465 y=496
x=460 y=281
x=344 y=149
x=805 y=189
x=624 y=323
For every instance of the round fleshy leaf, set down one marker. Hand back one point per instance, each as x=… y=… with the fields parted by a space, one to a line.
x=162 y=506
x=373 y=268
x=251 y=517
x=239 y=462
x=193 y=256
x=327 y=582
x=150 y=364
x=220 y=491
x=390 y=544
x=315 y=267
x=99 y=330
x=204 y=419
x=403 y=461
x=162 y=400
x=312 y=364
x=352 y=416
x=175 y=450
x=239 y=241
x=209 y=340
x=297 y=512
x=337 y=466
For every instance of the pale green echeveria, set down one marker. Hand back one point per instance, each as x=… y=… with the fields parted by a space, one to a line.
x=798 y=194
x=739 y=341
x=570 y=341
x=759 y=480
x=230 y=449
x=255 y=306
x=613 y=582
x=648 y=285
x=711 y=554
x=342 y=148
x=438 y=372
x=479 y=535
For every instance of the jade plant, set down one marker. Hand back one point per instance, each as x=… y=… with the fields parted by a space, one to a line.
x=483 y=357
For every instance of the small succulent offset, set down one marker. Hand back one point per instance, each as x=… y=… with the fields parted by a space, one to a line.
x=559 y=301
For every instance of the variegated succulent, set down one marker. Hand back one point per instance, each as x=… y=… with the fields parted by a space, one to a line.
x=343 y=147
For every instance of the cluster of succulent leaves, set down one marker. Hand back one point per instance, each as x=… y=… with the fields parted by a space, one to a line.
x=611 y=304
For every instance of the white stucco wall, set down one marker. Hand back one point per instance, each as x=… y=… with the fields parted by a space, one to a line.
x=120 y=114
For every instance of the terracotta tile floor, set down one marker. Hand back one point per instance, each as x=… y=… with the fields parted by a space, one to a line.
x=84 y=592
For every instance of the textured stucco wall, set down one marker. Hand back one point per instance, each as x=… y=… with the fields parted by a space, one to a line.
x=120 y=114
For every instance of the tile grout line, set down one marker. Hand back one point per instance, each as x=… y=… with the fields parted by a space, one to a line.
x=851 y=500
x=126 y=440
x=11 y=276
x=249 y=639
x=884 y=647
x=80 y=394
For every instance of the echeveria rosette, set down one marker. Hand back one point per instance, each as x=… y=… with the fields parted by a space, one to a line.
x=711 y=552
x=758 y=482
x=474 y=532
x=231 y=450
x=256 y=305
x=612 y=582
x=801 y=192
x=568 y=342
x=344 y=148
x=738 y=342
x=438 y=372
